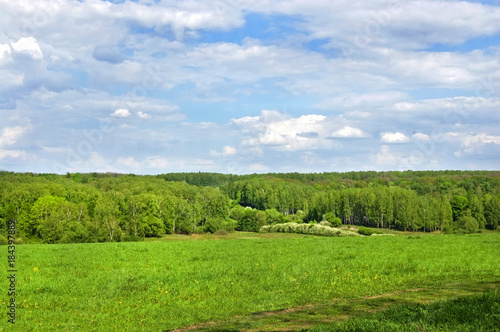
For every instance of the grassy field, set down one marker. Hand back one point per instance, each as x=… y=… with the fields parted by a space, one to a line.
x=243 y=278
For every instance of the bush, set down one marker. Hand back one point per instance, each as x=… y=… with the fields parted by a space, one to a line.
x=221 y=232
x=365 y=231
x=468 y=224
x=229 y=224
x=336 y=222
x=3 y=240
x=312 y=229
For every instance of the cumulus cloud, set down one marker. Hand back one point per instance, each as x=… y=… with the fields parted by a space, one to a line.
x=226 y=151
x=128 y=162
x=28 y=46
x=143 y=115
x=394 y=138
x=421 y=137
x=157 y=162
x=12 y=154
x=10 y=135
x=349 y=132
x=333 y=70
x=121 y=113
x=386 y=157
x=281 y=131
x=470 y=143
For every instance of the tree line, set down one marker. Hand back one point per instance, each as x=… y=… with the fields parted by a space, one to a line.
x=97 y=207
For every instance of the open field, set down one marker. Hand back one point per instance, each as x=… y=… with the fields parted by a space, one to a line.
x=169 y=284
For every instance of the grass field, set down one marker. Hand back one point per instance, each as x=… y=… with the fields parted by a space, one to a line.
x=243 y=278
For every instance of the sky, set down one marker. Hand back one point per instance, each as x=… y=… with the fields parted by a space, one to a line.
x=249 y=86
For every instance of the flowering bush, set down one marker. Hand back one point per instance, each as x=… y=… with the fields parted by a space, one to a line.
x=313 y=229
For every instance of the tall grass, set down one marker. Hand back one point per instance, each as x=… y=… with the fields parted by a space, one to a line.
x=164 y=285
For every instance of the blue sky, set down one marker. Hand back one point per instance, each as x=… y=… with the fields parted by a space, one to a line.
x=250 y=86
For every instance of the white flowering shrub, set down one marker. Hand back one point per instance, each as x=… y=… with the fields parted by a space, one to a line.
x=313 y=229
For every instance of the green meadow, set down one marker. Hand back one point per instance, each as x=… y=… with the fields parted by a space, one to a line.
x=173 y=283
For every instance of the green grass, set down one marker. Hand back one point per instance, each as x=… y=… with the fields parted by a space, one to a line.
x=170 y=283
x=465 y=314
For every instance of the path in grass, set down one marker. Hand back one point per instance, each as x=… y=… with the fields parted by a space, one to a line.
x=309 y=316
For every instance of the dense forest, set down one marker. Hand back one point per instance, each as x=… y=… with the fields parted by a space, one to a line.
x=98 y=207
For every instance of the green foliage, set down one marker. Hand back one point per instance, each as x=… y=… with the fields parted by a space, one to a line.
x=365 y=231
x=332 y=219
x=221 y=232
x=491 y=211
x=368 y=231
x=468 y=224
x=93 y=207
x=458 y=206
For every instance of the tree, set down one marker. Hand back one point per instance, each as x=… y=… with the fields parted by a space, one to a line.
x=468 y=224
x=107 y=219
x=491 y=211
x=458 y=206
x=56 y=220
x=476 y=210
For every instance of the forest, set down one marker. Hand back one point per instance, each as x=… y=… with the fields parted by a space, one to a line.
x=100 y=207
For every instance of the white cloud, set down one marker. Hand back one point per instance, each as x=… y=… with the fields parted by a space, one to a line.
x=421 y=137
x=204 y=162
x=349 y=132
x=121 y=113
x=128 y=162
x=226 y=151
x=156 y=162
x=4 y=53
x=368 y=73
x=28 y=46
x=10 y=135
x=394 y=138
x=275 y=129
x=258 y=168
x=385 y=156
x=13 y=154
x=470 y=143
x=463 y=106
x=143 y=115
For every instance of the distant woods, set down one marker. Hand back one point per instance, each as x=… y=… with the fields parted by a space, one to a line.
x=97 y=207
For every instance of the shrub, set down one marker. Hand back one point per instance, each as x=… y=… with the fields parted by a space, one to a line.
x=336 y=222
x=221 y=232
x=468 y=224
x=325 y=223
x=368 y=231
x=229 y=224
x=365 y=231
x=3 y=240
x=312 y=229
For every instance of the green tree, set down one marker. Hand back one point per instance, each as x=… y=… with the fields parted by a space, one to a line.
x=477 y=210
x=458 y=206
x=468 y=224
x=491 y=211
x=50 y=218
x=107 y=216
